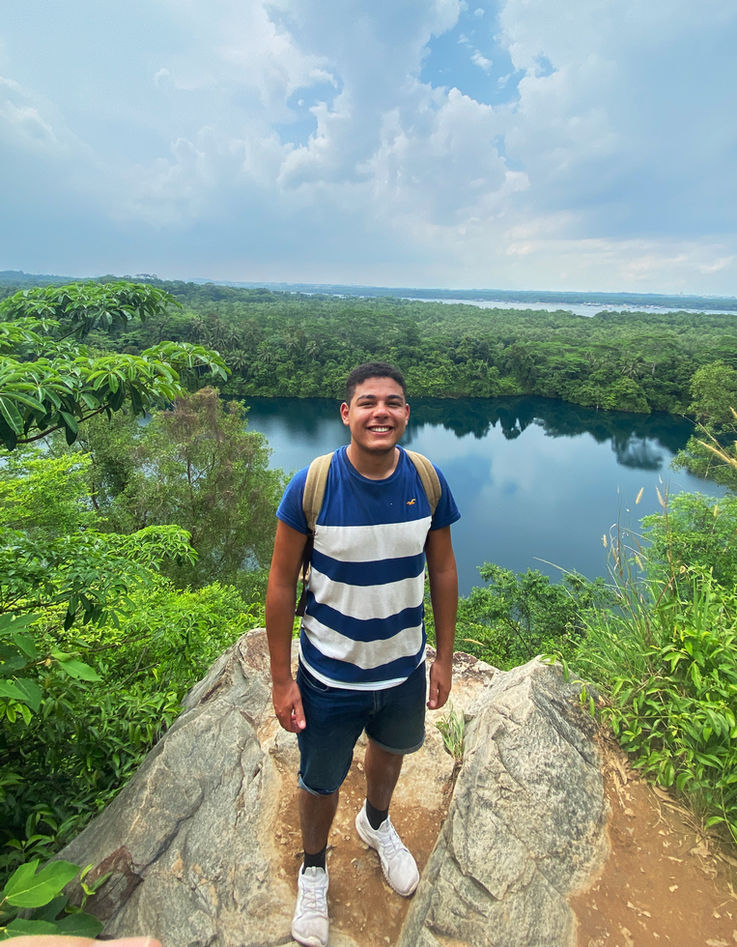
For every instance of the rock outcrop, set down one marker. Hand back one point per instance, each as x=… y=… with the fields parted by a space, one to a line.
x=526 y=824
x=197 y=854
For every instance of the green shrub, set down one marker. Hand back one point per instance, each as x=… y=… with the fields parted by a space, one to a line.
x=517 y=616
x=666 y=660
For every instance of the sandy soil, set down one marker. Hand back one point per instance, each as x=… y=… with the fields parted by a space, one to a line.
x=664 y=883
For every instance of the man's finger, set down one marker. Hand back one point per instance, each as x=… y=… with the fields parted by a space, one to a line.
x=298 y=716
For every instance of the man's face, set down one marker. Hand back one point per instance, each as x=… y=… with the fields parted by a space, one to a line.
x=377 y=414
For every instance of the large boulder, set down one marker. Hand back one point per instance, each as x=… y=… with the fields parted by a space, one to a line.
x=202 y=849
x=526 y=826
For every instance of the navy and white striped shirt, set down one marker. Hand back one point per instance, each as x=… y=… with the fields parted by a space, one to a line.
x=363 y=624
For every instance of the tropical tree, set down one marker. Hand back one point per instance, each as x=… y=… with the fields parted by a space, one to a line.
x=64 y=746
x=50 y=380
x=197 y=466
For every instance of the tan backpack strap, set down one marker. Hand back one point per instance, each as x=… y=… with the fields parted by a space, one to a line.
x=314 y=492
x=429 y=477
x=312 y=497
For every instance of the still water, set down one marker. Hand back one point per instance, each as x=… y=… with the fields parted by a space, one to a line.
x=538 y=482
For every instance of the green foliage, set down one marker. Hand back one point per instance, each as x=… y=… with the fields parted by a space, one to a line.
x=710 y=452
x=668 y=664
x=287 y=344
x=51 y=554
x=700 y=459
x=196 y=466
x=97 y=648
x=714 y=393
x=517 y=616
x=452 y=727
x=50 y=380
x=32 y=902
x=81 y=740
x=694 y=531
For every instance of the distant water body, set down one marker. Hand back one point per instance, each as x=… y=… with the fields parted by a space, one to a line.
x=538 y=482
x=579 y=303
x=578 y=309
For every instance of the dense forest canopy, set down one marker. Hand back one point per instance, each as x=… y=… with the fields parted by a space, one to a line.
x=291 y=344
x=132 y=555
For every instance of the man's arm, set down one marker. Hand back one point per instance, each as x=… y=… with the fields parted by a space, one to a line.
x=443 y=575
x=280 y=597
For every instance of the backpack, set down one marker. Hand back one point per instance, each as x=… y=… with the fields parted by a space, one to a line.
x=314 y=494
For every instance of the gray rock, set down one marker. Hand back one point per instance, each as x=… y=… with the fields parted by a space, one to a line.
x=193 y=841
x=526 y=826
x=189 y=840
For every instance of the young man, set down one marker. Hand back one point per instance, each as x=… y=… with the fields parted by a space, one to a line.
x=362 y=642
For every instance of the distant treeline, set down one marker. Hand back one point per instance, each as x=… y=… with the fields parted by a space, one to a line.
x=554 y=300
x=291 y=344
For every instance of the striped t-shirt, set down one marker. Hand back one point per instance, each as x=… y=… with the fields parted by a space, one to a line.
x=363 y=624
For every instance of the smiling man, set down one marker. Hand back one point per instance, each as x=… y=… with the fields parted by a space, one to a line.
x=362 y=641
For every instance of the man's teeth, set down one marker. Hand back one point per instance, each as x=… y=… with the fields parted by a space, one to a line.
x=380 y=430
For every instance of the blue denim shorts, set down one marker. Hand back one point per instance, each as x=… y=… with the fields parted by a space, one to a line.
x=393 y=718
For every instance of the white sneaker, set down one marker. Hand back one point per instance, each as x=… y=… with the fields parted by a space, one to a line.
x=397 y=863
x=310 y=922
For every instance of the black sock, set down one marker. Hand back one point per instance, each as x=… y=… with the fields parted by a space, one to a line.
x=375 y=816
x=314 y=861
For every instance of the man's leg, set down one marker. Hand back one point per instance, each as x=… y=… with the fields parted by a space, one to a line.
x=374 y=825
x=310 y=923
x=334 y=722
x=316 y=814
x=397 y=727
x=382 y=772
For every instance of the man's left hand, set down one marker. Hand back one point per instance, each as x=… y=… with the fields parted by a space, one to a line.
x=441 y=676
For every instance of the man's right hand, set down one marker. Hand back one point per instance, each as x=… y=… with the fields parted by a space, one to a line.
x=288 y=706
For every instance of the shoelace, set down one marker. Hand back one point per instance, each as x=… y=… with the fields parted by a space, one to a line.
x=390 y=840
x=313 y=895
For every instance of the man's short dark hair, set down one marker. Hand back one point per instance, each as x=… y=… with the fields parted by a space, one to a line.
x=362 y=373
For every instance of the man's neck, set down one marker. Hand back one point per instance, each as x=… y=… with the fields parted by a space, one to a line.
x=372 y=465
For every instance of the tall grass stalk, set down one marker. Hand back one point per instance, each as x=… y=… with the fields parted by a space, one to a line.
x=666 y=659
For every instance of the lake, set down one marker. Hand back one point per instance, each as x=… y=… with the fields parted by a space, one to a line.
x=538 y=482
x=578 y=309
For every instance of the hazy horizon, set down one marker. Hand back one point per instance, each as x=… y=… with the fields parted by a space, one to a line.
x=434 y=143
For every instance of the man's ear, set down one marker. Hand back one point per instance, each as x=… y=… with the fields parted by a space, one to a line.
x=344 y=409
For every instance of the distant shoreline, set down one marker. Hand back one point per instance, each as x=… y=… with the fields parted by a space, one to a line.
x=678 y=302
x=558 y=300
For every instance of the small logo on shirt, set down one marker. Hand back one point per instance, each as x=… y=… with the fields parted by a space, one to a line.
x=412 y=501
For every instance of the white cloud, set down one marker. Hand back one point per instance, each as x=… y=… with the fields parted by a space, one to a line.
x=308 y=130
x=481 y=61
x=161 y=77
x=718 y=265
x=21 y=122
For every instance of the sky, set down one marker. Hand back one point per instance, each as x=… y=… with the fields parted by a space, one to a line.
x=589 y=145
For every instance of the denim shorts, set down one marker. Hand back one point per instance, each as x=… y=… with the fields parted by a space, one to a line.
x=393 y=718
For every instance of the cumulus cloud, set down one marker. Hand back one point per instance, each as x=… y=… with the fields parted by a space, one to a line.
x=21 y=122
x=605 y=164
x=481 y=61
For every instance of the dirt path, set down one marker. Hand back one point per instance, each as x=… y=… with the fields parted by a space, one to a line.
x=361 y=903
x=663 y=884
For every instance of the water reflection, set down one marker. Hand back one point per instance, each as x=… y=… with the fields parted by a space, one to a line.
x=633 y=437
x=537 y=481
